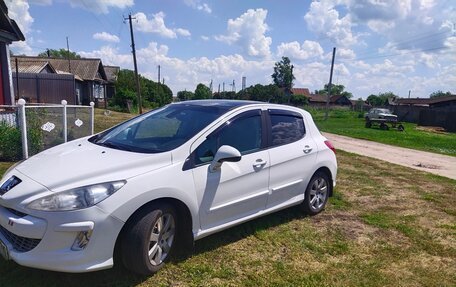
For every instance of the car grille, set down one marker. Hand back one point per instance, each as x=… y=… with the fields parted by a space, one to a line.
x=20 y=244
x=15 y=212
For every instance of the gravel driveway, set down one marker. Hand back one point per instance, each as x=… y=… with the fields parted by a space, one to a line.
x=442 y=165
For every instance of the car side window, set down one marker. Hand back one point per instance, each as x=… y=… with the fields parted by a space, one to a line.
x=244 y=134
x=286 y=127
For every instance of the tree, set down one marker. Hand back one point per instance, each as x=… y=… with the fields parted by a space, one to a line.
x=283 y=74
x=439 y=93
x=153 y=94
x=202 y=92
x=335 y=90
x=380 y=99
x=62 y=53
x=185 y=95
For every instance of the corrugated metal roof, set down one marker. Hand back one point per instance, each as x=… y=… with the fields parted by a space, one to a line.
x=85 y=69
x=111 y=73
x=30 y=66
x=301 y=91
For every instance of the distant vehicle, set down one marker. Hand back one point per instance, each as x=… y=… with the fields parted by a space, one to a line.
x=147 y=188
x=382 y=117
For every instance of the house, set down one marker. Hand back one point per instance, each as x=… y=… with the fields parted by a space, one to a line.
x=334 y=101
x=438 y=111
x=111 y=75
x=89 y=81
x=360 y=105
x=301 y=91
x=90 y=78
x=9 y=32
x=37 y=81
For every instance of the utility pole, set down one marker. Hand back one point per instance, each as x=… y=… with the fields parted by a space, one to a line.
x=409 y=93
x=158 y=73
x=133 y=50
x=68 y=51
x=330 y=84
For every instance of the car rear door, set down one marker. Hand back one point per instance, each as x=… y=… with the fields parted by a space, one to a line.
x=293 y=155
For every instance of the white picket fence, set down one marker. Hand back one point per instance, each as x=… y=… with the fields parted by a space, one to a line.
x=57 y=123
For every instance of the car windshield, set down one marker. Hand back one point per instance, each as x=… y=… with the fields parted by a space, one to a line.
x=160 y=130
x=384 y=111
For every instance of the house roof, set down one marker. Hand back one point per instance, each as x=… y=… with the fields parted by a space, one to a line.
x=111 y=73
x=316 y=98
x=9 y=30
x=442 y=99
x=413 y=101
x=300 y=91
x=31 y=66
x=85 y=69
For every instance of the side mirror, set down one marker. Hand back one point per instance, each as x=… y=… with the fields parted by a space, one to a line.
x=224 y=153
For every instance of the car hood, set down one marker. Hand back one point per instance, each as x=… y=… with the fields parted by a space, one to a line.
x=81 y=162
x=387 y=115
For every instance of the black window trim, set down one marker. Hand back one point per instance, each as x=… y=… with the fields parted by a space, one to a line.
x=190 y=160
x=282 y=113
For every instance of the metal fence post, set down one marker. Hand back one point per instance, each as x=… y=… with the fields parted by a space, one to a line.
x=92 y=117
x=23 y=128
x=65 y=124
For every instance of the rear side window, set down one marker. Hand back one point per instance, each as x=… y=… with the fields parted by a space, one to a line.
x=286 y=127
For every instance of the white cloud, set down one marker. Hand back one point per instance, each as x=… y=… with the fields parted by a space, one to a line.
x=183 y=32
x=408 y=24
x=157 y=25
x=199 y=5
x=205 y=38
x=40 y=2
x=248 y=31
x=308 y=49
x=104 y=36
x=19 y=11
x=324 y=20
x=101 y=6
x=154 y=25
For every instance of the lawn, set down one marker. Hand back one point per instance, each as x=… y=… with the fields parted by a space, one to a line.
x=349 y=124
x=371 y=234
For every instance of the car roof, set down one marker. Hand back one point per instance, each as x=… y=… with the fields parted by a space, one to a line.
x=227 y=104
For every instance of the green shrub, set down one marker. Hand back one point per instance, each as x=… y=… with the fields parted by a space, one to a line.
x=10 y=143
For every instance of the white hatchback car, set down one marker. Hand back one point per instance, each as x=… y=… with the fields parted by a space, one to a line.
x=147 y=188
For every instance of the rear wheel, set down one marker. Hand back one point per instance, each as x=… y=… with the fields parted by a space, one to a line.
x=149 y=239
x=384 y=126
x=400 y=128
x=368 y=124
x=317 y=193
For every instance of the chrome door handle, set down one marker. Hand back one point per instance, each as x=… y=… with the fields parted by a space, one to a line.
x=307 y=149
x=259 y=163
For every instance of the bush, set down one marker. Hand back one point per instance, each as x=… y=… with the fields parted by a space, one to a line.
x=10 y=145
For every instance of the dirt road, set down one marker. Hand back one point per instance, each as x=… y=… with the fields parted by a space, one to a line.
x=425 y=161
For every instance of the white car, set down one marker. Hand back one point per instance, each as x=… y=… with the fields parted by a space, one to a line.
x=147 y=188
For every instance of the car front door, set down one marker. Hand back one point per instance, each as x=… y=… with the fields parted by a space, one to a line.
x=237 y=189
x=293 y=154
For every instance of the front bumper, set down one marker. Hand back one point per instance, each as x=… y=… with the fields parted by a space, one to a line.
x=44 y=240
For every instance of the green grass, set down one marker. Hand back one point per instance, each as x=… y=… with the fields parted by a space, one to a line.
x=347 y=123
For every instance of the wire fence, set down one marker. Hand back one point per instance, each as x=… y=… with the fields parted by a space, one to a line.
x=26 y=130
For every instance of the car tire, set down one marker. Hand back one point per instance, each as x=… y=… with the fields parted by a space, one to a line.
x=317 y=193
x=149 y=239
x=368 y=124
x=400 y=128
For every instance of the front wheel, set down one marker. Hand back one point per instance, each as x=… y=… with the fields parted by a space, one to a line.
x=317 y=193
x=149 y=239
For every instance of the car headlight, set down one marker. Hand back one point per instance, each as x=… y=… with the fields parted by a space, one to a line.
x=77 y=198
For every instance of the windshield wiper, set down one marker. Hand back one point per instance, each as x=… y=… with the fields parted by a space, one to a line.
x=114 y=146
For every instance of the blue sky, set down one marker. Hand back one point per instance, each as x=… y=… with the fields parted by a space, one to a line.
x=382 y=45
